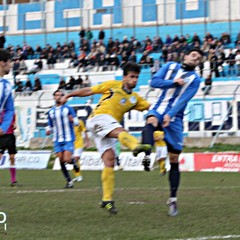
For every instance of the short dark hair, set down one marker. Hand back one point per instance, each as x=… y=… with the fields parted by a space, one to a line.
x=131 y=67
x=4 y=55
x=194 y=49
x=59 y=90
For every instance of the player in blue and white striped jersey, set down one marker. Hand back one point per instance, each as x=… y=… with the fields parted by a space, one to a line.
x=179 y=83
x=6 y=100
x=61 y=121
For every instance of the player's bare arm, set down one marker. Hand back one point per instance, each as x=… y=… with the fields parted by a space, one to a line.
x=84 y=92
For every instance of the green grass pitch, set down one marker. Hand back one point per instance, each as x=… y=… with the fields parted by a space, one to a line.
x=42 y=209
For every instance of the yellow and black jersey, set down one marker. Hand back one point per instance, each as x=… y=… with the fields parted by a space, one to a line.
x=115 y=101
x=158 y=138
x=78 y=131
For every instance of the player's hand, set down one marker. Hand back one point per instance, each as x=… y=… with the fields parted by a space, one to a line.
x=1 y=132
x=48 y=132
x=63 y=99
x=179 y=81
x=166 y=120
x=70 y=117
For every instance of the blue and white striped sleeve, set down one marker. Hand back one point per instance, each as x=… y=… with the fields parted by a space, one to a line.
x=159 y=79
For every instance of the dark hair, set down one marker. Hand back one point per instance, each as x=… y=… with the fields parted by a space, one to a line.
x=59 y=90
x=4 y=55
x=131 y=67
x=194 y=49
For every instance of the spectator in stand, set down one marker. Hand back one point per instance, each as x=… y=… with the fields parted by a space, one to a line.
x=74 y=60
x=168 y=40
x=78 y=82
x=208 y=85
x=124 y=59
x=59 y=54
x=209 y=37
x=149 y=47
x=51 y=61
x=175 y=39
x=133 y=57
x=164 y=54
x=19 y=86
x=157 y=44
x=86 y=82
x=2 y=40
x=221 y=60
x=110 y=46
x=237 y=42
x=62 y=84
x=102 y=64
x=237 y=59
x=231 y=63
x=37 y=84
x=125 y=40
x=37 y=66
x=89 y=35
x=143 y=59
x=71 y=46
x=196 y=39
x=81 y=35
x=28 y=87
x=101 y=35
x=114 y=60
x=82 y=61
x=213 y=59
x=22 y=67
x=225 y=38
x=85 y=46
x=71 y=83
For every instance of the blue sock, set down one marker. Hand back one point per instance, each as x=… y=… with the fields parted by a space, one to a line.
x=147 y=136
x=174 y=178
x=65 y=172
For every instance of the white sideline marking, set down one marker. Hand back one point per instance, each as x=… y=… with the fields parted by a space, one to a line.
x=116 y=189
x=213 y=237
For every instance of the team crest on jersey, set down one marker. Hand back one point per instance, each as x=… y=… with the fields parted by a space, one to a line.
x=123 y=101
x=133 y=99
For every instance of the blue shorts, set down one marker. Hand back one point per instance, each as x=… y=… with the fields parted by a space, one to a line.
x=173 y=133
x=64 y=146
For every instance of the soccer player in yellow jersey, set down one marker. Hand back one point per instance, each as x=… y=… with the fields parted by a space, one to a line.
x=81 y=141
x=104 y=123
x=161 y=150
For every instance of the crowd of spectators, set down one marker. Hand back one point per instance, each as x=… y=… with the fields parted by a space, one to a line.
x=104 y=55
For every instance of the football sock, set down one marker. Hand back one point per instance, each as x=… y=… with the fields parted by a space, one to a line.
x=128 y=140
x=107 y=183
x=174 y=178
x=162 y=165
x=65 y=172
x=12 y=174
x=76 y=166
x=147 y=136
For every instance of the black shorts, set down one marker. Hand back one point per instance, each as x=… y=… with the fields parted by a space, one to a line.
x=8 y=142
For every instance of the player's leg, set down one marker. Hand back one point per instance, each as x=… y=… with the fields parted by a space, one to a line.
x=76 y=165
x=67 y=158
x=108 y=181
x=148 y=138
x=12 y=150
x=129 y=141
x=174 y=140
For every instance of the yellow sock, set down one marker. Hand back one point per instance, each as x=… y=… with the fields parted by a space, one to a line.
x=77 y=174
x=107 y=183
x=162 y=166
x=128 y=140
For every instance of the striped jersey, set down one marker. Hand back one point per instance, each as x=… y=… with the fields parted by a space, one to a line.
x=6 y=105
x=58 y=121
x=174 y=98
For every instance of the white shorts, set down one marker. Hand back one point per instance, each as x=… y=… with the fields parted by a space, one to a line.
x=161 y=152
x=78 y=152
x=100 y=126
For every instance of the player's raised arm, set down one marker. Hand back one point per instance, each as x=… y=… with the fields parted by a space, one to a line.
x=83 y=92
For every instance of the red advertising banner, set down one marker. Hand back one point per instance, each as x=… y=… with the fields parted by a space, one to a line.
x=217 y=162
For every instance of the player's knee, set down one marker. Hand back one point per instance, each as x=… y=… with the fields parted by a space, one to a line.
x=152 y=120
